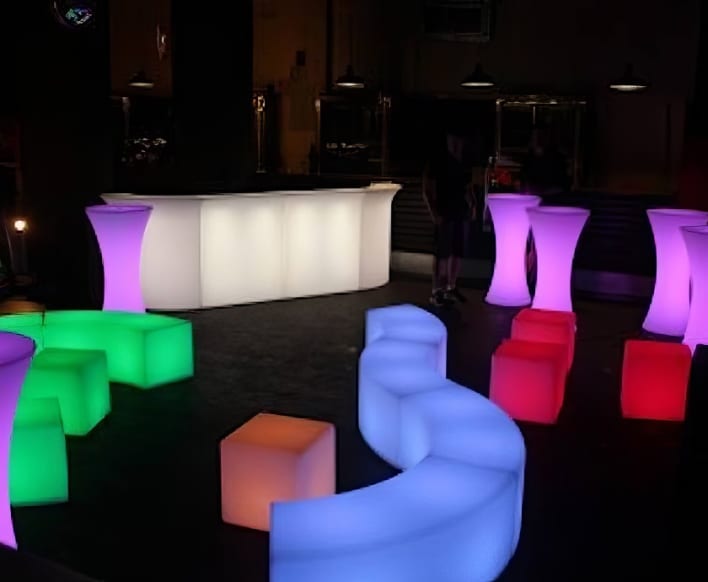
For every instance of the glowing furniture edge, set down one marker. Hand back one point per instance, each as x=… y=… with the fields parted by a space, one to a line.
x=120 y=230
x=511 y=230
x=453 y=515
x=668 y=311
x=38 y=462
x=142 y=349
x=556 y=230
x=213 y=250
x=696 y=238
x=15 y=354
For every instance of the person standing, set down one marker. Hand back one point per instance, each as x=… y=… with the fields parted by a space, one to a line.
x=450 y=200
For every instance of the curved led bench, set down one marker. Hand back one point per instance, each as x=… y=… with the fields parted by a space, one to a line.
x=142 y=349
x=15 y=354
x=556 y=230
x=668 y=312
x=696 y=238
x=453 y=515
x=215 y=250
x=511 y=231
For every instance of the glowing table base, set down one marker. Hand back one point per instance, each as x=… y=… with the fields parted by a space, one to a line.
x=15 y=354
x=556 y=230
x=511 y=230
x=668 y=312
x=696 y=238
x=213 y=250
x=119 y=231
x=454 y=514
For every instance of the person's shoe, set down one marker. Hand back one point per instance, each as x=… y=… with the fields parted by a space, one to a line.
x=455 y=295
x=439 y=299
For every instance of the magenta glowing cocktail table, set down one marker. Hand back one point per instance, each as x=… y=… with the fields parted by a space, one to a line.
x=556 y=230
x=509 y=286
x=668 y=312
x=15 y=355
x=696 y=238
x=120 y=230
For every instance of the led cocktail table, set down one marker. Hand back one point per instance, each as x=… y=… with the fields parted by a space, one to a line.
x=15 y=354
x=696 y=238
x=511 y=230
x=668 y=312
x=556 y=230
x=119 y=230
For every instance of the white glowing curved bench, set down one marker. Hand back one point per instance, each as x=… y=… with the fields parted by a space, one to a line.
x=225 y=249
x=454 y=514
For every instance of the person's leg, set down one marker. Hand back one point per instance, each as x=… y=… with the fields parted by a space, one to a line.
x=459 y=250
x=441 y=262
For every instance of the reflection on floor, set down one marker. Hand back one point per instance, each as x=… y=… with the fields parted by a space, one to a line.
x=604 y=497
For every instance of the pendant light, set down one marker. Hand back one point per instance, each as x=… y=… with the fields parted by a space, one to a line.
x=349 y=80
x=629 y=82
x=478 y=79
x=141 y=81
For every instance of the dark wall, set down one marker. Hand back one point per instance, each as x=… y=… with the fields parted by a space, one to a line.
x=62 y=83
x=213 y=70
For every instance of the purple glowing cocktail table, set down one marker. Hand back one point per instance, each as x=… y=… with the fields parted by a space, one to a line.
x=556 y=230
x=119 y=230
x=696 y=238
x=668 y=312
x=15 y=355
x=509 y=286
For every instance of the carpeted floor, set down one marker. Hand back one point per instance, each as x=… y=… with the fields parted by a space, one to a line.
x=604 y=497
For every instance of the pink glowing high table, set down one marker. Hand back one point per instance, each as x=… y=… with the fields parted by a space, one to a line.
x=509 y=286
x=15 y=354
x=556 y=230
x=696 y=238
x=119 y=230
x=668 y=312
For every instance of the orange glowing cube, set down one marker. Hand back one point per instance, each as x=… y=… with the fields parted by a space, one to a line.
x=274 y=458
x=528 y=379
x=543 y=325
x=655 y=380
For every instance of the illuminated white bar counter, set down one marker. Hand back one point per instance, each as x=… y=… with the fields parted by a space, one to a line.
x=225 y=249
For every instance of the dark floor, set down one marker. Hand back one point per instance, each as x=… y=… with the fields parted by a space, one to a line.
x=605 y=498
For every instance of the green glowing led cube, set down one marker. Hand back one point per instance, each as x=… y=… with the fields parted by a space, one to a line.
x=29 y=324
x=143 y=349
x=38 y=466
x=78 y=379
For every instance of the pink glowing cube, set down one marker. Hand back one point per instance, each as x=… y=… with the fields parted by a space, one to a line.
x=274 y=458
x=528 y=379
x=542 y=325
x=655 y=380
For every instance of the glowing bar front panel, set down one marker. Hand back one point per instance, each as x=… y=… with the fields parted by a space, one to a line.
x=556 y=230
x=511 y=231
x=119 y=230
x=453 y=515
x=668 y=312
x=212 y=250
x=696 y=238
x=15 y=354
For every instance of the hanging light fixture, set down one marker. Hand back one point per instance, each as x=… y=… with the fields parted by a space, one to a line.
x=629 y=82
x=478 y=79
x=141 y=81
x=349 y=80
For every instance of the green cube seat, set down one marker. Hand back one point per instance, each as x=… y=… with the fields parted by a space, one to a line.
x=38 y=464
x=78 y=379
x=142 y=349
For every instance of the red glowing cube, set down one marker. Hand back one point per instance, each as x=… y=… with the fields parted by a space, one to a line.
x=528 y=379
x=543 y=325
x=655 y=380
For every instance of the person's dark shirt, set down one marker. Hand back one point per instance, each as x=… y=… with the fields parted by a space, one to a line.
x=545 y=173
x=450 y=181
